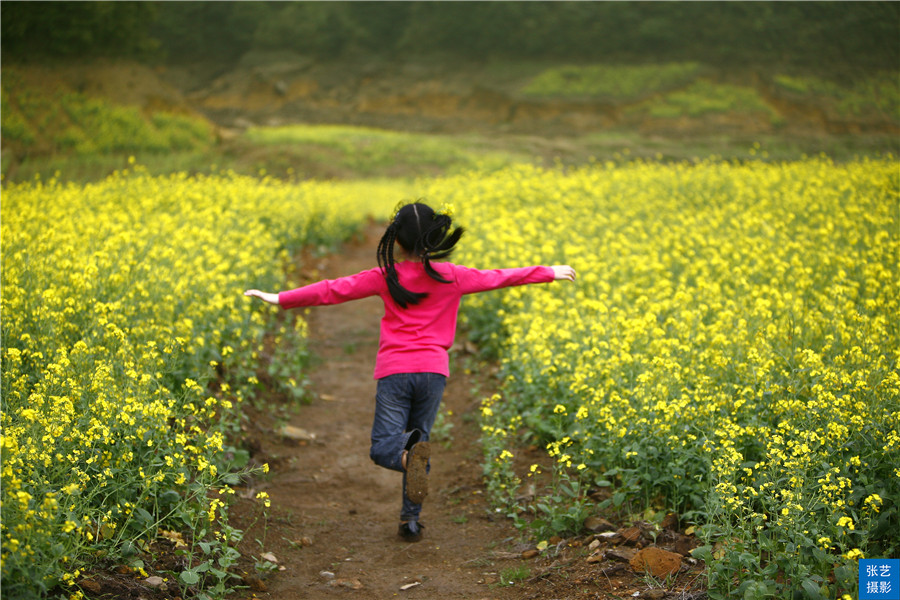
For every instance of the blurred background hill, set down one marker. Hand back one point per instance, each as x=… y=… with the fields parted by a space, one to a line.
x=550 y=80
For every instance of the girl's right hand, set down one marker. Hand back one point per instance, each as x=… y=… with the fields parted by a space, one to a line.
x=264 y=296
x=563 y=272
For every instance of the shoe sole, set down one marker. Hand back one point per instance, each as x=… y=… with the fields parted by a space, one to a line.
x=417 y=472
x=406 y=536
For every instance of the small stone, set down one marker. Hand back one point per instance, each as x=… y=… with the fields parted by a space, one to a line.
x=269 y=557
x=598 y=524
x=623 y=554
x=403 y=588
x=297 y=434
x=656 y=561
x=595 y=558
x=631 y=536
x=670 y=522
x=611 y=537
x=255 y=583
x=594 y=545
x=353 y=584
x=653 y=594
x=326 y=574
x=613 y=569
x=155 y=581
x=530 y=554
x=91 y=586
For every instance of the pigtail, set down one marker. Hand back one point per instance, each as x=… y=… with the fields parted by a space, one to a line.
x=437 y=242
x=385 y=253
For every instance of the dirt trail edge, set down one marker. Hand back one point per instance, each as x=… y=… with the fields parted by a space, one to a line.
x=334 y=516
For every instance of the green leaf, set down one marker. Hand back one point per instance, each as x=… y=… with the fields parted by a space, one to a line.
x=240 y=458
x=169 y=497
x=703 y=553
x=189 y=577
x=143 y=515
x=755 y=590
x=812 y=589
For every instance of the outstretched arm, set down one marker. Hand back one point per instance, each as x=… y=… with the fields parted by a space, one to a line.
x=264 y=296
x=563 y=272
x=326 y=291
x=472 y=281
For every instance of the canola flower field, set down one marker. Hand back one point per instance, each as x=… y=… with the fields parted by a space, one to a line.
x=729 y=351
x=128 y=351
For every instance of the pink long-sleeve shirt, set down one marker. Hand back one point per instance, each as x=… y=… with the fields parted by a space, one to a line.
x=414 y=339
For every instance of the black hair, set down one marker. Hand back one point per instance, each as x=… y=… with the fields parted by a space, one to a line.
x=424 y=234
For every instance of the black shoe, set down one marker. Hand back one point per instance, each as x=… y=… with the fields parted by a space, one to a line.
x=411 y=531
x=417 y=472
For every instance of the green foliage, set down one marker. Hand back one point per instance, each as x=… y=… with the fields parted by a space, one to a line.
x=878 y=93
x=14 y=126
x=512 y=575
x=817 y=35
x=614 y=83
x=77 y=29
x=367 y=151
x=70 y=122
x=705 y=97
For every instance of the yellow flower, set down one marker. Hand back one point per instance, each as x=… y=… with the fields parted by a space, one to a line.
x=854 y=554
x=846 y=522
x=873 y=503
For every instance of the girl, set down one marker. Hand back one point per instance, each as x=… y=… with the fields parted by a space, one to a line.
x=421 y=300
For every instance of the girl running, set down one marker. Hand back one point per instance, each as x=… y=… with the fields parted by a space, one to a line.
x=421 y=301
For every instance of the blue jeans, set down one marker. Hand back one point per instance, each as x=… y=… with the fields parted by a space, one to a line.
x=406 y=405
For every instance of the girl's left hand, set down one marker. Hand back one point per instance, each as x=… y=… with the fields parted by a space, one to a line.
x=563 y=272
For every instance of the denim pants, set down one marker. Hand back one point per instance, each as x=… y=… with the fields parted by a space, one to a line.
x=406 y=405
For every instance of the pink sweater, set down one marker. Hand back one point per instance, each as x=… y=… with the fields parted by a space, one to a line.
x=414 y=339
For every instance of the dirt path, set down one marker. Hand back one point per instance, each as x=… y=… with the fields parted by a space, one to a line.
x=334 y=516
